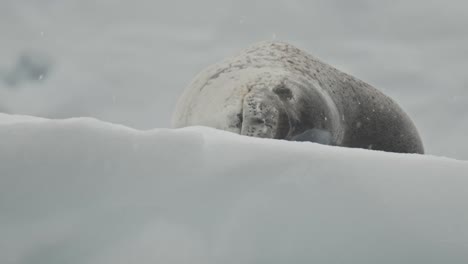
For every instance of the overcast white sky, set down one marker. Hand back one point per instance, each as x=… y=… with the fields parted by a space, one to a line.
x=128 y=61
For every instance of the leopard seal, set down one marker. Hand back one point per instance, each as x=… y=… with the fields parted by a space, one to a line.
x=275 y=90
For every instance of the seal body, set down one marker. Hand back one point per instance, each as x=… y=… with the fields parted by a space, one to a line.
x=275 y=90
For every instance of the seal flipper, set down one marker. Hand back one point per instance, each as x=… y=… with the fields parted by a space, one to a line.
x=315 y=135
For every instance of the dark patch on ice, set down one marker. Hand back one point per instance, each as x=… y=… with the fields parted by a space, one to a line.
x=29 y=67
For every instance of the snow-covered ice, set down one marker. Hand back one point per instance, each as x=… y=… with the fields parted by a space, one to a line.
x=85 y=191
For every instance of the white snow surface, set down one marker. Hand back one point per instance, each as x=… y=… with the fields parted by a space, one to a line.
x=85 y=191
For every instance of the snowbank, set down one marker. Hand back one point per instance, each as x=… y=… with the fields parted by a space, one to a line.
x=85 y=191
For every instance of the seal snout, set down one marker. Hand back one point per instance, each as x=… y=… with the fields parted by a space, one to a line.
x=261 y=114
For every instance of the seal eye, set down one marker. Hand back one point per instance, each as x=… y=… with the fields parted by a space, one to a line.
x=283 y=92
x=257 y=121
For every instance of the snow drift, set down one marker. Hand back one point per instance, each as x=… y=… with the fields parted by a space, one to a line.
x=85 y=191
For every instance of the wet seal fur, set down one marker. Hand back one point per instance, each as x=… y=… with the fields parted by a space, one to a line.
x=275 y=90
